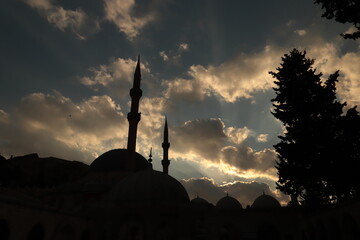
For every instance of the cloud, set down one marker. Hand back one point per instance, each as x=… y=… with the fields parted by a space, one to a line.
x=40 y=4
x=291 y=22
x=240 y=77
x=152 y=122
x=247 y=73
x=75 y=20
x=164 y=56
x=183 y=47
x=330 y=54
x=329 y=58
x=204 y=188
x=245 y=158
x=238 y=135
x=300 y=32
x=52 y=124
x=203 y=137
x=121 y=13
x=116 y=77
x=185 y=89
x=4 y=116
x=244 y=192
x=262 y=138
x=351 y=30
x=76 y=130
x=173 y=56
x=83 y=130
x=212 y=144
x=247 y=192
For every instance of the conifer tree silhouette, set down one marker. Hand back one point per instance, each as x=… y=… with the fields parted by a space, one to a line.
x=317 y=148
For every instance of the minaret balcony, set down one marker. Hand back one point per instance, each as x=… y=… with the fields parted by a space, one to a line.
x=165 y=145
x=134 y=117
x=135 y=93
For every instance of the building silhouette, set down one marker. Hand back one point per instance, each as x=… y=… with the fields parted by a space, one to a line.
x=120 y=196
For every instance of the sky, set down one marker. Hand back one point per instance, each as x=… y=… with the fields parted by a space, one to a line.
x=66 y=67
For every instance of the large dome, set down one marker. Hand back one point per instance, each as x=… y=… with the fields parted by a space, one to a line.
x=265 y=201
x=119 y=159
x=228 y=203
x=152 y=187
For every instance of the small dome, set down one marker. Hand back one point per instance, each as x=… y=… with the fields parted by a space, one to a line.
x=265 y=201
x=199 y=200
x=119 y=159
x=200 y=203
x=150 y=186
x=228 y=203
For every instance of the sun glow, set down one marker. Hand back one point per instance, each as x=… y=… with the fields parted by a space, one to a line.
x=218 y=170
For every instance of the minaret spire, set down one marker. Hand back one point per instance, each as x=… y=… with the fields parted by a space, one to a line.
x=134 y=115
x=166 y=145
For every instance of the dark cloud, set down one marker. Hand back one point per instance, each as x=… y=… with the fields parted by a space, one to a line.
x=244 y=192
x=52 y=124
x=17 y=141
x=77 y=20
x=207 y=139
x=173 y=56
x=245 y=157
x=204 y=188
x=95 y=116
x=204 y=137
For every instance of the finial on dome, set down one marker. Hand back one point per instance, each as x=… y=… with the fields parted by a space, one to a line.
x=150 y=156
x=227 y=194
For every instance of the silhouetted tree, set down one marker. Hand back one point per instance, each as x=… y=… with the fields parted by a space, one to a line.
x=317 y=145
x=343 y=11
x=345 y=172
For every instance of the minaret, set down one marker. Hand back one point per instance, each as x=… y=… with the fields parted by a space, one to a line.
x=134 y=115
x=165 y=145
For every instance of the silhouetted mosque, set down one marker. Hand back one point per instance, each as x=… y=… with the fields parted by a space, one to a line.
x=120 y=196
